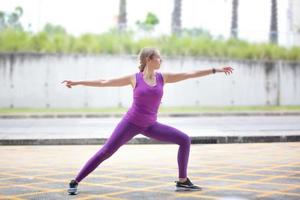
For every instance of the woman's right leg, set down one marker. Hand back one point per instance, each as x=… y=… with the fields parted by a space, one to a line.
x=122 y=134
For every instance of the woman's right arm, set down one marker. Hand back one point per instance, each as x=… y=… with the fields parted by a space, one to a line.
x=115 y=82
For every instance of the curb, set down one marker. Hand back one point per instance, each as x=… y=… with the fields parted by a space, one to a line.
x=194 y=140
x=105 y=115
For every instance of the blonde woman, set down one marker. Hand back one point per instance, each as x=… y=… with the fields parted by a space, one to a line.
x=141 y=118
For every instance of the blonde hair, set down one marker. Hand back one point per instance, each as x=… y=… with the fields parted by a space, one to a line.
x=144 y=54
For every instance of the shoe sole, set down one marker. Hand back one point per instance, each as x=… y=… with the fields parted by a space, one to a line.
x=72 y=192
x=187 y=189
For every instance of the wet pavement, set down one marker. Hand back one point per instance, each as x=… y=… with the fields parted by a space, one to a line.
x=224 y=171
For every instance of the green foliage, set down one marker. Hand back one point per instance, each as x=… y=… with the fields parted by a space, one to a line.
x=11 y=20
x=55 y=39
x=195 y=32
x=54 y=29
x=149 y=23
x=191 y=42
x=39 y=42
x=151 y=19
x=12 y=40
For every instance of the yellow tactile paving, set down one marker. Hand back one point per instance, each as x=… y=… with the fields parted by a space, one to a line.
x=247 y=171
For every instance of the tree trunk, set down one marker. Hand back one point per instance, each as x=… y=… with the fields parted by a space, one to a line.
x=234 y=19
x=122 y=21
x=273 y=28
x=176 y=17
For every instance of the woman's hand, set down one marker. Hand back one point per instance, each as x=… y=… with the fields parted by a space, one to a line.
x=227 y=70
x=69 y=83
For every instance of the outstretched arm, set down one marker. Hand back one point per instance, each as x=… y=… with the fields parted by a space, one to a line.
x=175 y=77
x=115 y=82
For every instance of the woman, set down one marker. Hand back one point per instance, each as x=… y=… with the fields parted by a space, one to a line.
x=141 y=117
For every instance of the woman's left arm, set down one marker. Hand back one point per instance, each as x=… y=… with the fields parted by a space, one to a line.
x=175 y=77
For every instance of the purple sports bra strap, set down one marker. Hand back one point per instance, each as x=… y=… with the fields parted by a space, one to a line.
x=137 y=78
x=160 y=78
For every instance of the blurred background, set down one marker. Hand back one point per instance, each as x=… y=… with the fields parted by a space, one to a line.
x=249 y=20
x=43 y=42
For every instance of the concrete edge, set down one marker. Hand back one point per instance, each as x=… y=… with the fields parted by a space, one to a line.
x=105 y=115
x=194 y=140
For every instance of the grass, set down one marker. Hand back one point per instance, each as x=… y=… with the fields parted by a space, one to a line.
x=162 y=109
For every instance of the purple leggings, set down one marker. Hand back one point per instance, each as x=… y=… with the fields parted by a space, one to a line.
x=126 y=131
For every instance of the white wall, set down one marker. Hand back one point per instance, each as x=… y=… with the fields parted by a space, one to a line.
x=34 y=80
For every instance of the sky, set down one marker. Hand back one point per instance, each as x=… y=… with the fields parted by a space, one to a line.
x=97 y=16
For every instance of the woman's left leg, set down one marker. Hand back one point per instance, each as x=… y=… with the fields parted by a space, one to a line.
x=167 y=133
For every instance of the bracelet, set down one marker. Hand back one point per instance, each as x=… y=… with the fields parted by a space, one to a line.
x=213 y=70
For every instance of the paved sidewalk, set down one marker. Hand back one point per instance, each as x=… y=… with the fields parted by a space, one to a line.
x=212 y=129
x=182 y=114
x=224 y=171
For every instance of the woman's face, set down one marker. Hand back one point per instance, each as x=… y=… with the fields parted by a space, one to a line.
x=155 y=61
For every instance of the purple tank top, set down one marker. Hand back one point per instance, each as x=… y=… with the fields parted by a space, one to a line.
x=146 y=101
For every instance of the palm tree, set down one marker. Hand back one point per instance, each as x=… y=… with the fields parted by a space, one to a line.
x=273 y=37
x=176 y=17
x=11 y=19
x=122 y=20
x=234 y=19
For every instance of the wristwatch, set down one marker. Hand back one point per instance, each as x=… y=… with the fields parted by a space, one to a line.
x=213 y=70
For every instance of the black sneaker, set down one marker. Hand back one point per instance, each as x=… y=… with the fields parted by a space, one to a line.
x=186 y=186
x=72 y=187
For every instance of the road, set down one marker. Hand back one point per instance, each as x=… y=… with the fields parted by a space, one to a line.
x=44 y=128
